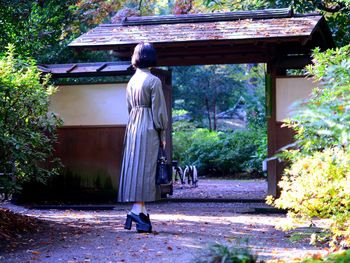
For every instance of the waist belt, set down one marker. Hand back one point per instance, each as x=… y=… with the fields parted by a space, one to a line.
x=140 y=106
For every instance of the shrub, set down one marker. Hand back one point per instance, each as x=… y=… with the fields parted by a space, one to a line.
x=318 y=186
x=182 y=132
x=324 y=120
x=221 y=153
x=26 y=127
x=338 y=257
x=219 y=253
x=318 y=182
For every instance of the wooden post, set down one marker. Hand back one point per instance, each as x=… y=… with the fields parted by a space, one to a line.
x=274 y=167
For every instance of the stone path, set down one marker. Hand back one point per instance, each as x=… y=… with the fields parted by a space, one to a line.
x=222 y=189
x=181 y=232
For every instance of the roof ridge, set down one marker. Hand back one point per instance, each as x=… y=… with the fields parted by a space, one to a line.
x=207 y=17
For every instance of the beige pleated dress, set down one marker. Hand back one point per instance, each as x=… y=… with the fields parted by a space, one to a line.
x=147 y=121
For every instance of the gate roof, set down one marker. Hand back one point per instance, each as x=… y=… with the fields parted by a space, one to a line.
x=234 y=37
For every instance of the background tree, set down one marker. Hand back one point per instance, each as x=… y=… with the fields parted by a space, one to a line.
x=204 y=91
x=38 y=29
x=43 y=29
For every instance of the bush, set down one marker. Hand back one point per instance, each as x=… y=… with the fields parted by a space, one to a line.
x=324 y=120
x=318 y=186
x=26 y=127
x=219 y=253
x=223 y=153
x=317 y=183
x=338 y=257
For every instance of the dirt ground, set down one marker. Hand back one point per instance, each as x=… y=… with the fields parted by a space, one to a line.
x=222 y=189
x=181 y=231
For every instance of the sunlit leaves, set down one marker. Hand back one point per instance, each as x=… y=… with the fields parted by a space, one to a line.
x=26 y=126
x=318 y=186
x=318 y=182
x=324 y=121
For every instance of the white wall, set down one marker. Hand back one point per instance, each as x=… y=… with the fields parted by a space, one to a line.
x=288 y=91
x=93 y=104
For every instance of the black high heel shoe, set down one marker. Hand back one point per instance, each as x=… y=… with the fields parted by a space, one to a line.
x=141 y=222
x=146 y=219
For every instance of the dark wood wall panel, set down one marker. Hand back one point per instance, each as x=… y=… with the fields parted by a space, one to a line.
x=91 y=156
x=285 y=135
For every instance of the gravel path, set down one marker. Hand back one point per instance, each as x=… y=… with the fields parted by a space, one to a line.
x=181 y=231
x=222 y=189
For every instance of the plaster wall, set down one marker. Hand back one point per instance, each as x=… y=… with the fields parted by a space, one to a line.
x=289 y=91
x=93 y=104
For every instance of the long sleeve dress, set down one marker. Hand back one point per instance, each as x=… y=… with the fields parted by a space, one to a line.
x=147 y=123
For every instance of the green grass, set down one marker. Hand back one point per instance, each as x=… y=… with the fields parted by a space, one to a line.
x=220 y=253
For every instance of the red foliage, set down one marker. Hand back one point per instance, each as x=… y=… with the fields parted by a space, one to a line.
x=12 y=224
x=182 y=7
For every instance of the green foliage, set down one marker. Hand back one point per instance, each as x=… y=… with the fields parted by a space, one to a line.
x=337 y=257
x=317 y=183
x=205 y=91
x=317 y=186
x=324 y=121
x=255 y=98
x=38 y=31
x=219 y=253
x=224 y=5
x=26 y=127
x=221 y=153
x=43 y=29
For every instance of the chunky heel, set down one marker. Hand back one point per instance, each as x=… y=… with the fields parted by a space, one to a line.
x=128 y=222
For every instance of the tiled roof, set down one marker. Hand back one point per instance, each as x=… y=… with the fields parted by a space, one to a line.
x=87 y=69
x=202 y=27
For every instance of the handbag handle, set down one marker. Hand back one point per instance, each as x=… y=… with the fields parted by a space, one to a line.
x=162 y=153
x=160 y=140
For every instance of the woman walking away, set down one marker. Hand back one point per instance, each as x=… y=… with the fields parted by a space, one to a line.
x=145 y=133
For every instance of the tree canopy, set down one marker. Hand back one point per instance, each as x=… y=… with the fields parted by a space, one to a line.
x=42 y=29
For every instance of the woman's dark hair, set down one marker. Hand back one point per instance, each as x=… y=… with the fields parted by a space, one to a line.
x=144 y=56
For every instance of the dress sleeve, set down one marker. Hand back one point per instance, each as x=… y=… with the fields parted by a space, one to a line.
x=159 y=110
x=128 y=97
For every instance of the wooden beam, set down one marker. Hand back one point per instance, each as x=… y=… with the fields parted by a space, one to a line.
x=101 y=67
x=208 y=60
x=293 y=62
x=72 y=68
x=210 y=17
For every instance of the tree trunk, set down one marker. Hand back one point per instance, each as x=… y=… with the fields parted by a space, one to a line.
x=140 y=7
x=214 y=113
x=208 y=113
x=251 y=83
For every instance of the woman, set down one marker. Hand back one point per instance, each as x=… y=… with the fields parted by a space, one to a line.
x=145 y=132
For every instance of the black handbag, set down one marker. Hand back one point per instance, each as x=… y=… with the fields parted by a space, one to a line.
x=164 y=169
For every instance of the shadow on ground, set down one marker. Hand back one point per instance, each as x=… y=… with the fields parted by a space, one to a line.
x=181 y=231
